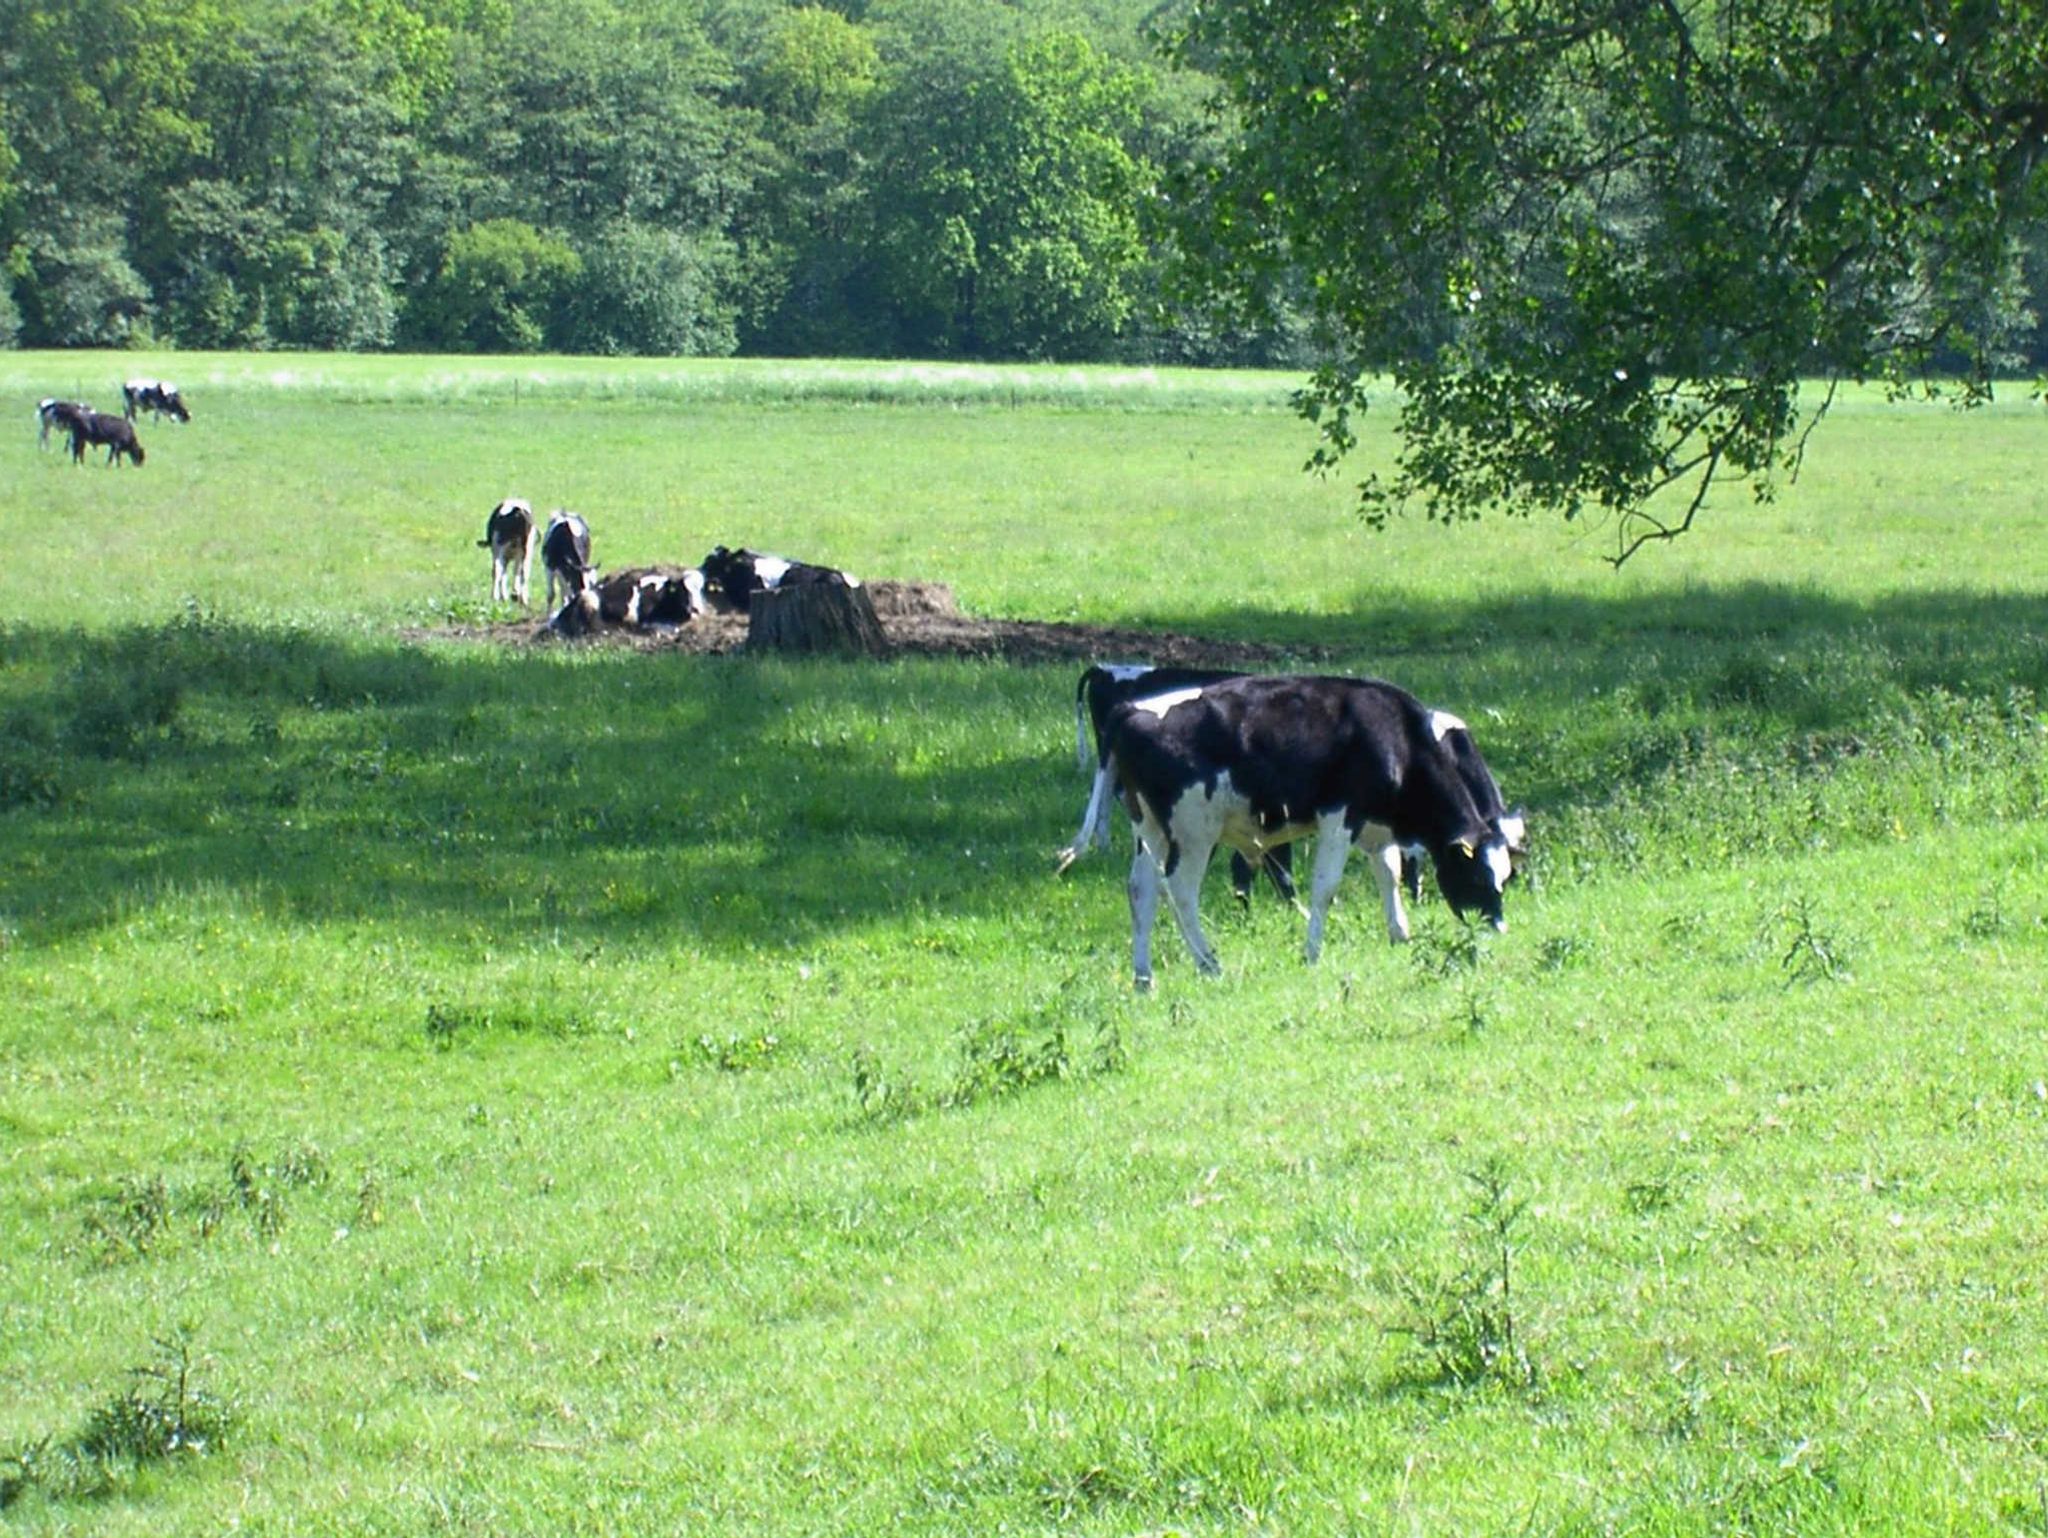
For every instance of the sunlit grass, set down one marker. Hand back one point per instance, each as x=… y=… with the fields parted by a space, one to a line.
x=559 y=1090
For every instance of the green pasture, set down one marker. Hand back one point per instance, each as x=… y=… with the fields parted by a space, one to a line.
x=448 y=1087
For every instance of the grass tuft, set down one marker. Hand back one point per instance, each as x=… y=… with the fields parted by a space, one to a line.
x=1465 y=1322
x=159 y=1415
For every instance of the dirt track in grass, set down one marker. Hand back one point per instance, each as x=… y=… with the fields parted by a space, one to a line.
x=919 y=619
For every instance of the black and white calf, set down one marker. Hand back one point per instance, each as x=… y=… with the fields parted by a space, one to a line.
x=733 y=577
x=636 y=599
x=1256 y=762
x=509 y=536
x=154 y=396
x=99 y=429
x=565 y=554
x=59 y=416
x=1104 y=686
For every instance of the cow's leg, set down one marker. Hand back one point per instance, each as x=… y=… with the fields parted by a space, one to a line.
x=1143 y=888
x=1387 y=863
x=1184 y=891
x=1277 y=860
x=1333 y=848
x=1242 y=875
x=524 y=571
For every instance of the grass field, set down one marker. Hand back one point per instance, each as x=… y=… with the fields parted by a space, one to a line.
x=456 y=1088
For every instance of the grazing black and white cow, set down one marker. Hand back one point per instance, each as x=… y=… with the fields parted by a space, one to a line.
x=154 y=396
x=100 y=429
x=733 y=577
x=1104 y=686
x=509 y=536
x=636 y=599
x=565 y=554
x=60 y=416
x=1254 y=762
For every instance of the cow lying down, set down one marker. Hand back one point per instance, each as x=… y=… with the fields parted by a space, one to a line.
x=733 y=577
x=640 y=598
x=1256 y=762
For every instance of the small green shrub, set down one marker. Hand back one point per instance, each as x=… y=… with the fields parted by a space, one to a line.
x=739 y=1053
x=878 y=1095
x=130 y=1222
x=1811 y=954
x=159 y=1415
x=1464 y=1322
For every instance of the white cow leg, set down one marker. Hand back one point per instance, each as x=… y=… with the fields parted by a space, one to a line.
x=1143 y=888
x=1386 y=870
x=1184 y=891
x=1333 y=848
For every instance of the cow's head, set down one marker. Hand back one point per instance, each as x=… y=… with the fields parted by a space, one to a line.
x=175 y=407
x=580 y=616
x=1473 y=875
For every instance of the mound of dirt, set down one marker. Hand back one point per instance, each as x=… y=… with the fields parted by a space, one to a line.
x=919 y=619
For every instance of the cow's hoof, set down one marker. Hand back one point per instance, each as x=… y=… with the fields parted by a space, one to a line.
x=1142 y=983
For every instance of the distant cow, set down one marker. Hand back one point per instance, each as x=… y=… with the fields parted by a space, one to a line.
x=635 y=599
x=60 y=416
x=565 y=553
x=100 y=429
x=732 y=577
x=154 y=396
x=508 y=535
x=1104 y=686
x=1255 y=762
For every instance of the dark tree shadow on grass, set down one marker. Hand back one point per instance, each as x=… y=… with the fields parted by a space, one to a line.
x=629 y=797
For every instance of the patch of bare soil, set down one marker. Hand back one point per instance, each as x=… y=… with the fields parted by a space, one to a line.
x=919 y=619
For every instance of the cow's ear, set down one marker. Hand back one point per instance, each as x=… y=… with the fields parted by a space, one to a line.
x=1464 y=846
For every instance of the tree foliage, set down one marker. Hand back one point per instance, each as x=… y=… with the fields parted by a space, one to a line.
x=1599 y=243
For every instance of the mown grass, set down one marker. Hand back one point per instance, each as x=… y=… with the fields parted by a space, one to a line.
x=555 y=1090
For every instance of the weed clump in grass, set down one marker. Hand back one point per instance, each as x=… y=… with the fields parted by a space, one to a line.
x=878 y=1094
x=130 y=1222
x=739 y=1053
x=1811 y=954
x=159 y=1415
x=998 y=1058
x=1073 y=1035
x=1464 y=1322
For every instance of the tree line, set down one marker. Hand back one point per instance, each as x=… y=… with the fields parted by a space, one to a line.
x=1430 y=186
x=902 y=177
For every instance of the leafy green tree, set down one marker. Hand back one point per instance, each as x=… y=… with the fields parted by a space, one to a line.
x=653 y=291
x=98 y=105
x=75 y=285
x=1599 y=243
x=218 y=247
x=1005 y=221
x=810 y=73
x=497 y=290
x=585 y=113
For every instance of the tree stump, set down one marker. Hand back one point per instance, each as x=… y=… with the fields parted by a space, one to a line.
x=829 y=616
